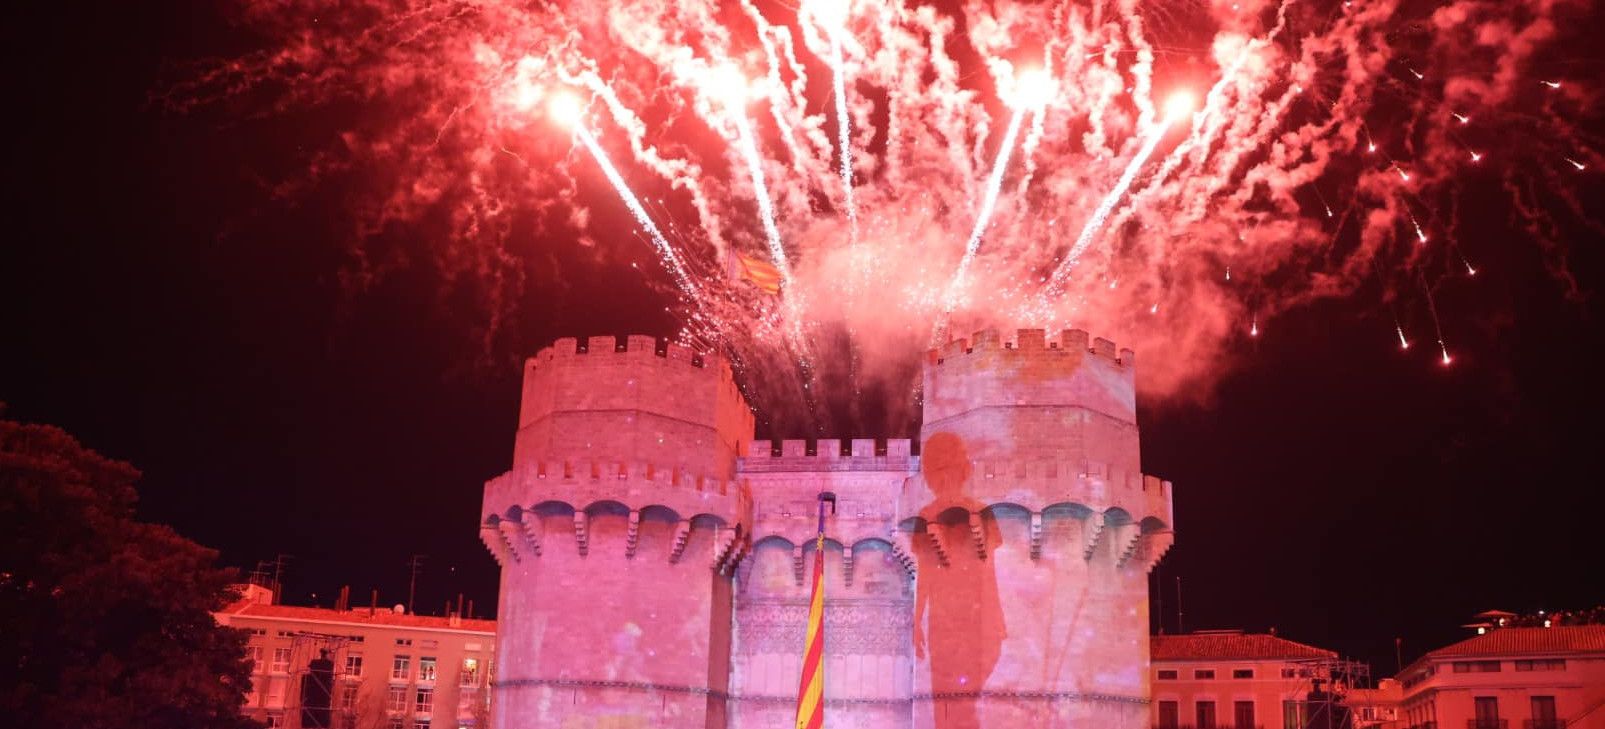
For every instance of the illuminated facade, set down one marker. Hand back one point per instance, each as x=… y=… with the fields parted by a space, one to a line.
x=653 y=555
x=1529 y=677
x=390 y=670
x=1236 y=680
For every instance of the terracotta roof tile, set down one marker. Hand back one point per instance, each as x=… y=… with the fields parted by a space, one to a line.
x=1508 y=641
x=360 y=616
x=1230 y=647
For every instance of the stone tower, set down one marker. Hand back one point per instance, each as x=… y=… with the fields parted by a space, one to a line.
x=616 y=529
x=1034 y=530
x=653 y=556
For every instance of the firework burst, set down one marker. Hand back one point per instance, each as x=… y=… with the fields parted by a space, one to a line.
x=903 y=167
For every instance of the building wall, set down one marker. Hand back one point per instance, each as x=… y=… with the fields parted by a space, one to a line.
x=1269 y=688
x=1435 y=692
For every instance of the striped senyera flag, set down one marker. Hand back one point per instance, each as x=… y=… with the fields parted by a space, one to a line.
x=811 y=691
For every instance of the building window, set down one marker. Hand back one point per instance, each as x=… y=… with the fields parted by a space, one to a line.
x=420 y=724
x=254 y=652
x=426 y=669
x=1242 y=673
x=398 y=699
x=353 y=664
x=258 y=631
x=1204 y=673
x=1485 y=713
x=1544 y=713
x=1292 y=715
x=348 y=697
x=1476 y=666
x=281 y=660
x=1167 y=675
x=399 y=668
x=470 y=673
x=1542 y=664
x=1169 y=715
x=1205 y=711
x=425 y=701
x=403 y=641
x=274 y=721
x=396 y=722
x=1243 y=715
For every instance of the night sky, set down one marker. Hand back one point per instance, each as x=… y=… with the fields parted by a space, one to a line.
x=163 y=306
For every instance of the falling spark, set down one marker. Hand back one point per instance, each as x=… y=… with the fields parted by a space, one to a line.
x=1436 y=325
x=1402 y=174
x=1322 y=198
x=1552 y=84
x=1253 y=328
x=1421 y=236
x=1579 y=165
x=1403 y=343
x=1415 y=73
x=1476 y=157
x=1462 y=118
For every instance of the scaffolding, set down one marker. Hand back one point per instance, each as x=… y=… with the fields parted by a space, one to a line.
x=304 y=648
x=1326 y=684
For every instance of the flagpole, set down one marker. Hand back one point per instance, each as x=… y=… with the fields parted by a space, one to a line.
x=811 y=689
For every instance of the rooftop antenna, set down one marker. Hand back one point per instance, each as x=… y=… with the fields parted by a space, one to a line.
x=278 y=576
x=415 y=564
x=1179 y=629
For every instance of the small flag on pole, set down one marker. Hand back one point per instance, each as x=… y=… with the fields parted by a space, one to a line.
x=811 y=691
x=758 y=272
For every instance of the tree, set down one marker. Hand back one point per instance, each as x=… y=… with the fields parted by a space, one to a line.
x=107 y=620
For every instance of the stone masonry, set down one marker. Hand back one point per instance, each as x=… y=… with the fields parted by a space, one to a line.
x=654 y=556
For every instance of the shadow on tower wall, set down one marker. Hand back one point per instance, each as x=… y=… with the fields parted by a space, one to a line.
x=958 y=618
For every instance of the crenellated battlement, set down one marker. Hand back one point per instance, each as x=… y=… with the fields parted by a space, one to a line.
x=634 y=346
x=829 y=454
x=1070 y=345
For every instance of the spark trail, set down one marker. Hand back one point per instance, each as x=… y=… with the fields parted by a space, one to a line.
x=766 y=206
x=994 y=183
x=666 y=252
x=1177 y=107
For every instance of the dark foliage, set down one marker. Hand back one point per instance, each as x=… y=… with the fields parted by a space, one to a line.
x=106 y=620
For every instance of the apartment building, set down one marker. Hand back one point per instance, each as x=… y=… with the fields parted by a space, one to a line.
x=390 y=670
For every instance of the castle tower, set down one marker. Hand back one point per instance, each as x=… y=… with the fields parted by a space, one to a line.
x=617 y=530
x=1033 y=532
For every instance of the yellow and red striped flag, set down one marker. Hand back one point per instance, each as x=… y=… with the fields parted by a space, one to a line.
x=759 y=273
x=811 y=691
